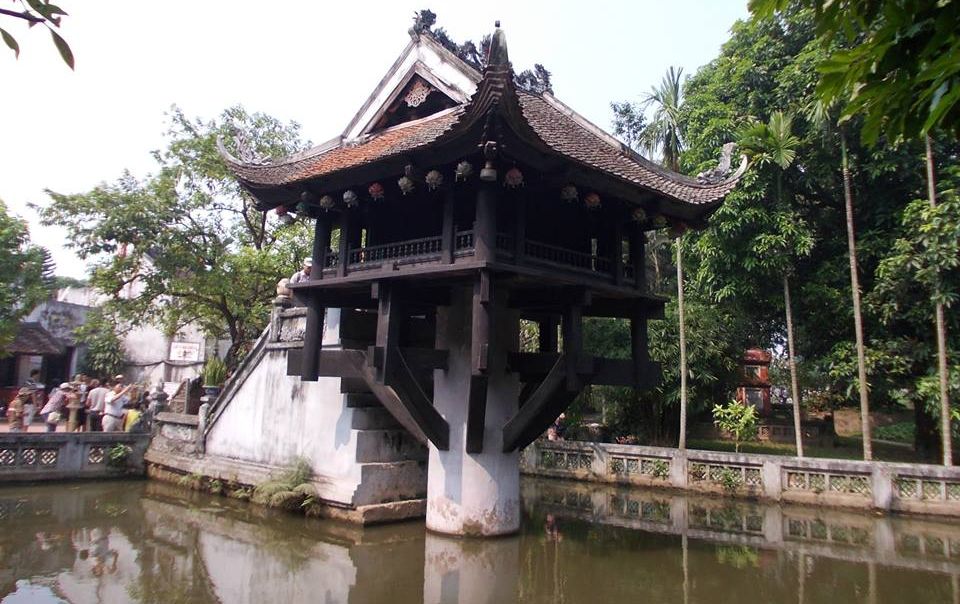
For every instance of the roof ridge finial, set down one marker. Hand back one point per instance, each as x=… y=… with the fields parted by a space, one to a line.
x=496 y=23
x=497 y=53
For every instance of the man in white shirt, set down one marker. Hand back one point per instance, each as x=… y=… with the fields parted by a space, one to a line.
x=113 y=406
x=304 y=273
x=95 y=402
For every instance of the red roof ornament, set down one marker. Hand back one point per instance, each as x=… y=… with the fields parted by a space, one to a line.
x=513 y=178
x=592 y=200
x=376 y=191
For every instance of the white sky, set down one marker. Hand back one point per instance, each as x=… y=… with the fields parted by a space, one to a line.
x=311 y=62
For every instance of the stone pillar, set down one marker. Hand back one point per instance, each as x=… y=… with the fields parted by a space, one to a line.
x=474 y=493
x=457 y=571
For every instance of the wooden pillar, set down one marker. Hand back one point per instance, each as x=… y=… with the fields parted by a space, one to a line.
x=639 y=349
x=547 y=342
x=520 y=229
x=346 y=237
x=573 y=344
x=485 y=226
x=616 y=251
x=388 y=329
x=638 y=257
x=482 y=318
x=448 y=235
x=313 y=331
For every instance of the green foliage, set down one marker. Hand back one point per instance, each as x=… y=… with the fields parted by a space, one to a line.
x=38 y=12
x=901 y=432
x=738 y=556
x=290 y=491
x=187 y=244
x=117 y=455
x=730 y=480
x=737 y=420
x=214 y=372
x=105 y=352
x=24 y=274
x=897 y=65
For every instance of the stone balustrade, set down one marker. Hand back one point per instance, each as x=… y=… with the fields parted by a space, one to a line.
x=917 y=488
x=68 y=455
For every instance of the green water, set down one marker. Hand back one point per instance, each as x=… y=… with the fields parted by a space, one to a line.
x=154 y=542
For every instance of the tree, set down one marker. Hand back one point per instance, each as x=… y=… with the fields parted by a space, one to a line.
x=663 y=133
x=187 y=245
x=738 y=420
x=775 y=143
x=105 y=355
x=38 y=12
x=22 y=274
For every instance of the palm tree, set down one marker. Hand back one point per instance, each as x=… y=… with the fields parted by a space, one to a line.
x=820 y=114
x=775 y=143
x=663 y=132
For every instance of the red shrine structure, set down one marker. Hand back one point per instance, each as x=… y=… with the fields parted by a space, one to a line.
x=454 y=205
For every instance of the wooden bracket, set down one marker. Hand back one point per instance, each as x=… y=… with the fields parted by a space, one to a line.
x=476 y=413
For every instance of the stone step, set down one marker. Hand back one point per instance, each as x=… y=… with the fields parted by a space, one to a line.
x=373 y=418
x=391 y=481
x=387 y=446
x=362 y=400
x=353 y=386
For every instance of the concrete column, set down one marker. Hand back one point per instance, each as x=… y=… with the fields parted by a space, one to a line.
x=474 y=493
x=457 y=571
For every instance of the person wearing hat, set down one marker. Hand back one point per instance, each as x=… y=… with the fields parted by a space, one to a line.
x=59 y=399
x=114 y=402
x=304 y=273
x=15 y=412
x=96 y=399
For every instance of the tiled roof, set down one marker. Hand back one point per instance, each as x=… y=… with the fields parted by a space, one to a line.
x=394 y=141
x=32 y=338
x=566 y=136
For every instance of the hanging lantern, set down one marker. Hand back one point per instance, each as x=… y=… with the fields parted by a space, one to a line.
x=592 y=200
x=513 y=178
x=327 y=203
x=350 y=199
x=569 y=193
x=434 y=179
x=376 y=191
x=406 y=185
x=677 y=228
x=659 y=221
x=639 y=215
x=464 y=170
x=302 y=208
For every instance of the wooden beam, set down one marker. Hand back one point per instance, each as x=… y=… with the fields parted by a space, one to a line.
x=389 y=315
x=313 y=330
x=481 y=323
x=616 y=252
x=520 y=229
x=547 y=340
x=485 y=226
x=414 y=401
x=346 y=235
x=549 y=400
x=573 y=344
x=532 y=366
x=625 y=308
x=476 y=413
x=637 y=256
x=546 y=297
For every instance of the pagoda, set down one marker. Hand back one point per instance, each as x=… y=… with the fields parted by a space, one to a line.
x=454 y=206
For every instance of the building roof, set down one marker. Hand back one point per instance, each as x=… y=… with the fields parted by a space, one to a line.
x=32 y=338
x=541 y=121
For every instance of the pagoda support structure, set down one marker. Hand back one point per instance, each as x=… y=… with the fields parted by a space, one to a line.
x=474 y=493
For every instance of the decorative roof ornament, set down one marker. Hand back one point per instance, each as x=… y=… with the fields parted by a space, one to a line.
x=350 y=199
x=464 y=170
x=639 y=215
x=418 y=94
x=592 y=200
x=245 y=151
x=376 y=191
x=569 y=194
x=659 y=221
x=434 y=179
x=406 y=185
x=513 y=178
x=716 y=175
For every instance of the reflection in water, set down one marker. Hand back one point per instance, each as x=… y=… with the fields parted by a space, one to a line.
x=152 y=542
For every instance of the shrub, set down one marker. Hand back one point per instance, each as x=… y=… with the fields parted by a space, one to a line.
x=737 y=420
x=214 y=372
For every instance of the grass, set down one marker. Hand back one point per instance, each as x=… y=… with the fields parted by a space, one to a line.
x=846 y=447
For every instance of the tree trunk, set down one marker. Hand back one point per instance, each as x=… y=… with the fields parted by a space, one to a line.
x=945 y=429
x=683 y=348
x=857 y=317
x=792 y=361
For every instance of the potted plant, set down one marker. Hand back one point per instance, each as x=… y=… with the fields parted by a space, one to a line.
x=214 y=374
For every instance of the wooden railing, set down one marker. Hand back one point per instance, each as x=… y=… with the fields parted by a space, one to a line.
x=374 y=256
x=567 y=258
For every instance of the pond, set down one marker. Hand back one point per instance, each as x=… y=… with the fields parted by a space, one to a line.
x=156 y=542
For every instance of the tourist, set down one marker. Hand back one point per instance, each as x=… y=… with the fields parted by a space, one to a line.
x=304 y=273
x=59 y=398
x=30 y=405
x=15 y=413
x=132 y=418
x=113 y=405
x=95 y=403
x=157 y=401
x=80 y=383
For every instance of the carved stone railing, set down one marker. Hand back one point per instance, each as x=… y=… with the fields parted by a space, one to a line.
x=68 y=455
x=918 y=488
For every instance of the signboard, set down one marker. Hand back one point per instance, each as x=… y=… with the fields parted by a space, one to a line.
x=184 y=351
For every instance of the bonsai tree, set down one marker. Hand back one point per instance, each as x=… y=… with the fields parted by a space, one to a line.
x=738 y=420
x=214 y=372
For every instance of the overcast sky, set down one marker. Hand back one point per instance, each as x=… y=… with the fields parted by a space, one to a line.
x=310 y=62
